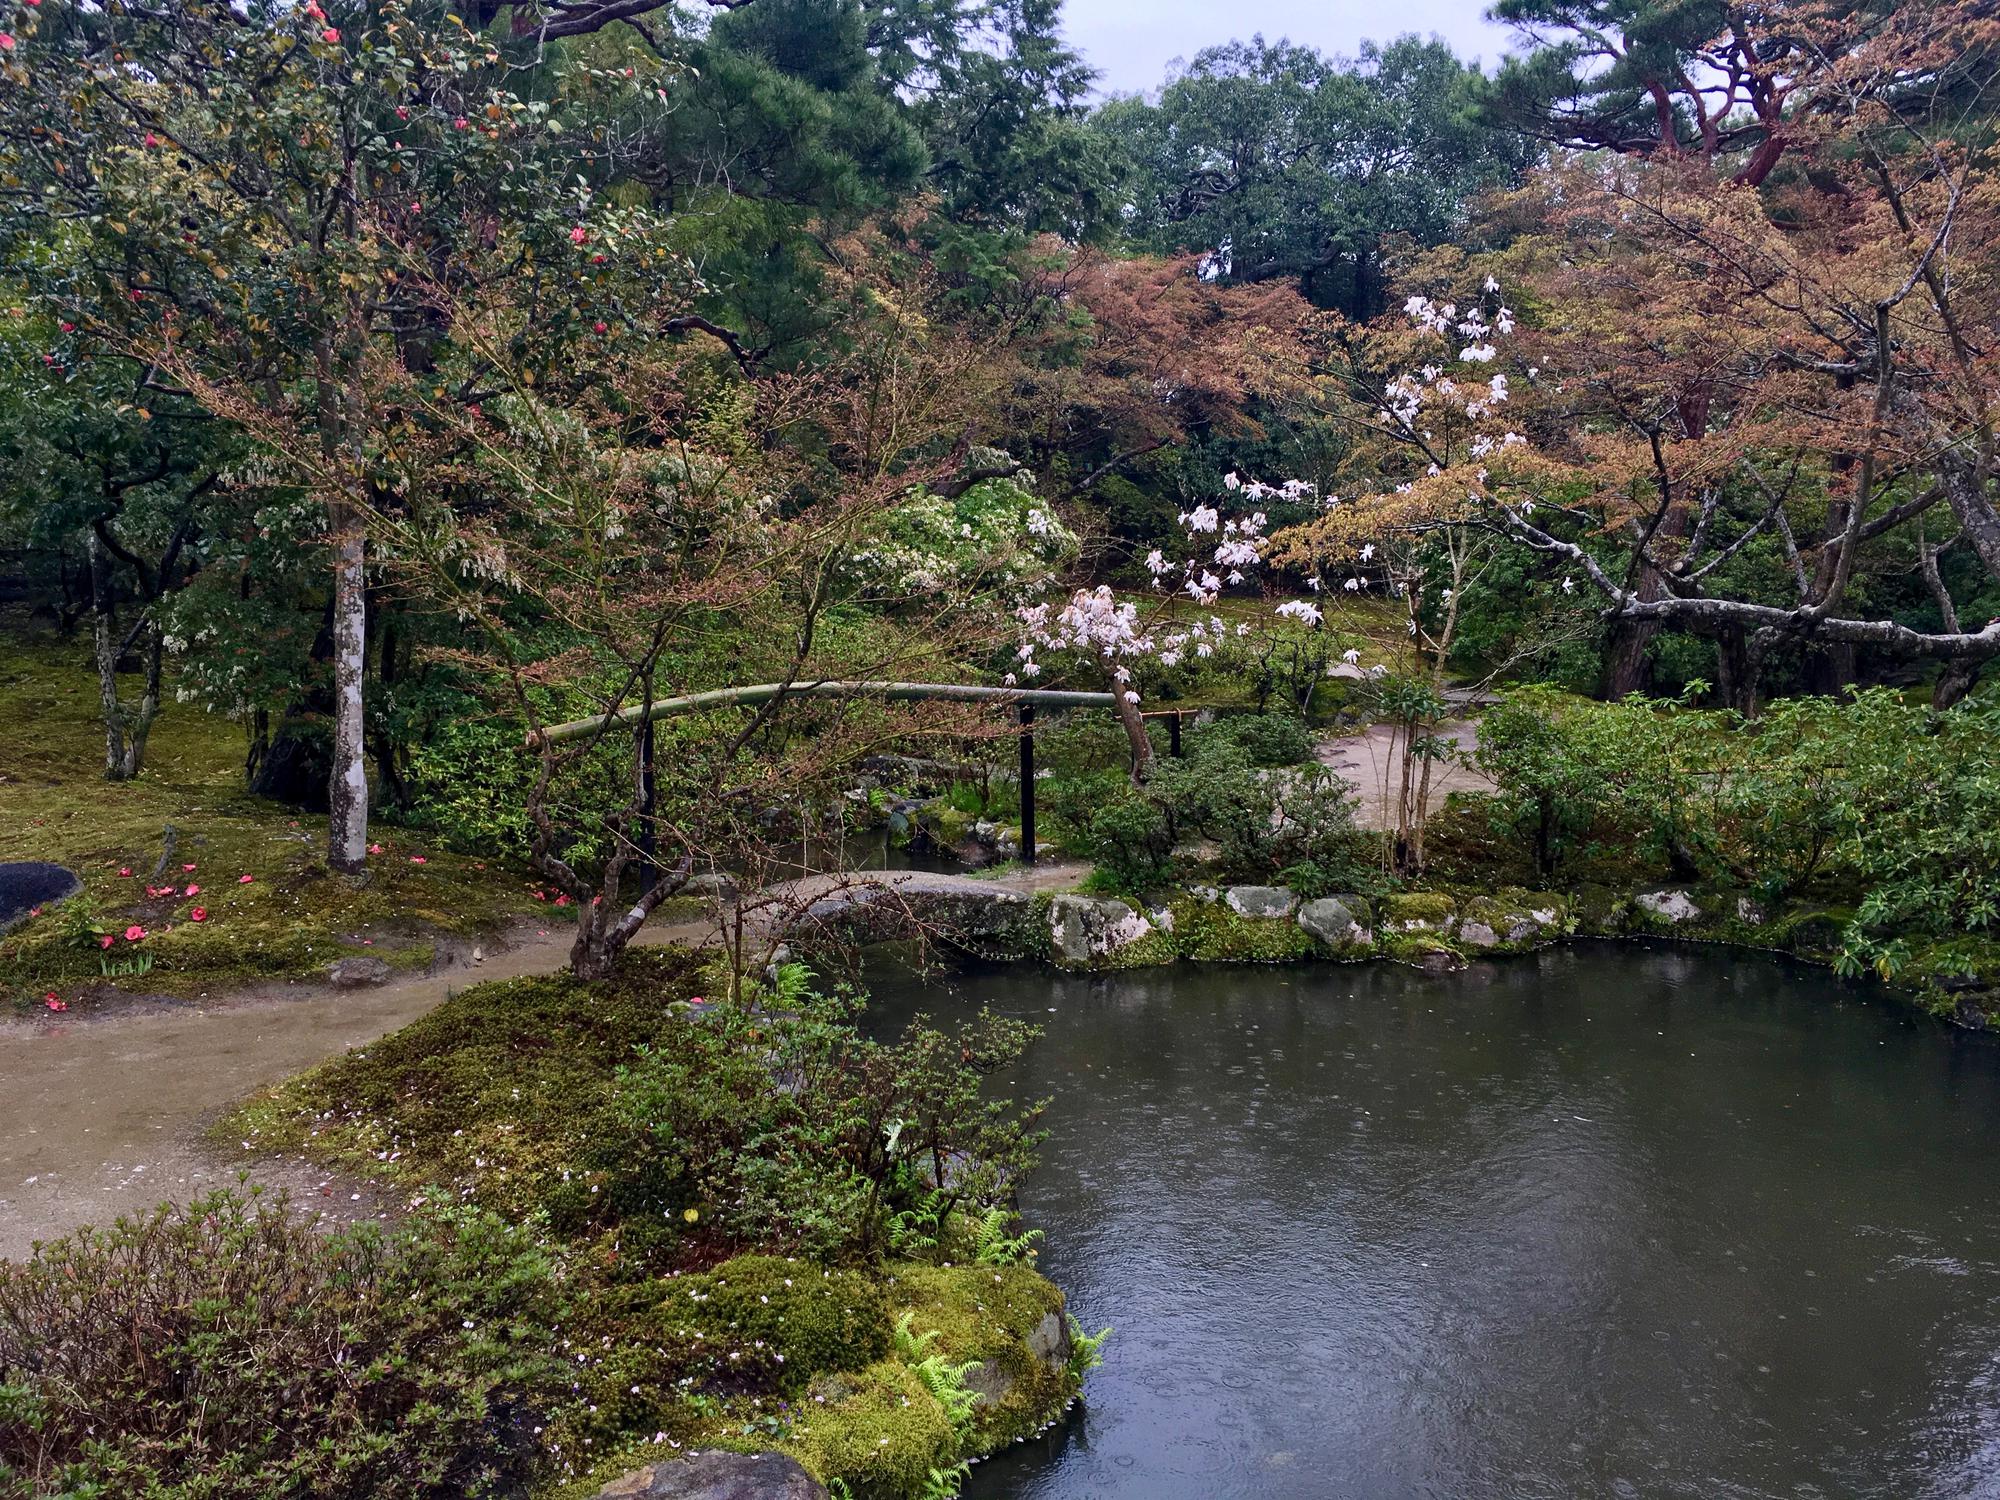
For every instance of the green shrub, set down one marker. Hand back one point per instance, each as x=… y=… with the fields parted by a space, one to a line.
x=229 y=1349
x=1273 y=739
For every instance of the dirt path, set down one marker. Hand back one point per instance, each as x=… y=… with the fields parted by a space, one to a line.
x=102 y=1117
x=1366 y=760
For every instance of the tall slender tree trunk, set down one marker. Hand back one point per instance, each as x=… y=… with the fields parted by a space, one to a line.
x=104 y=648
x=347 y=782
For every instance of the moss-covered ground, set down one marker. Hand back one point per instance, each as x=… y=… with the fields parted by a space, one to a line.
x=290 y=919
x=684 y=1333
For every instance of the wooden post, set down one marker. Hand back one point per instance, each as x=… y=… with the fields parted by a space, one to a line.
x=1028 y=783
x=649 y=864
x=1174 y=734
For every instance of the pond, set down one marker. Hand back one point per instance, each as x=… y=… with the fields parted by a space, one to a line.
x=1613 y=1220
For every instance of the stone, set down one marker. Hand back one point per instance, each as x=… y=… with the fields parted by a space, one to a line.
x=717 y=1476
x=711 y=883
x=1332 y=921
x=1749 y=913
x=358 y=972
x=1669 y=906
x=27 y=886
x=1261 y=900
x=1478 y=935
x=1087 y=927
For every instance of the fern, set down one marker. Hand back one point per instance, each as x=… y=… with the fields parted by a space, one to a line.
x=1086 y=1350
x=993 y=1246
x=944 y=1484
x=943 y=1379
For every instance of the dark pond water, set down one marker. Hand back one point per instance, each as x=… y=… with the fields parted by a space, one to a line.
x=1612 y=1221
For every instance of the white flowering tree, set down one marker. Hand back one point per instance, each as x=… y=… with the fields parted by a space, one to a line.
x=1098 y=630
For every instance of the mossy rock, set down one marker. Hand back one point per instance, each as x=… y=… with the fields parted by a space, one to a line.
x=878 y=1431
x=1430 y=908
x=767 y=1323
x=1599 y=909
x=1013 y=1322
x=1810 y=932
x=1211 y=933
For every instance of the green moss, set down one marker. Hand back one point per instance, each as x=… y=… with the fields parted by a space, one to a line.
x=293 y=918
x=1431 y=907
x=770 y=1323
x=880 y=1432
x=1210 y=932
x=990 y=1313
x=501 y=1094
x=1810 y=932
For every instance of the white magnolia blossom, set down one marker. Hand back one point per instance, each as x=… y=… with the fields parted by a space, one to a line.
x=1300 y=610
x=1351 y=655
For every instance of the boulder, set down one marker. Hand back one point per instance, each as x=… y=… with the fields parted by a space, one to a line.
x=28 y=885
x=1480 y=935
x=1749 y=913
x=717 y=1476
x=1672 y=907
x=358 y=972
x=1083 y=928
x=713 y=884
x=1261 y=900
x=1333 y=921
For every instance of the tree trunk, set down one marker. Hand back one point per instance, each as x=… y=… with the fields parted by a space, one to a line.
x=347 y=781
x=104 y=648
x=1135 y=729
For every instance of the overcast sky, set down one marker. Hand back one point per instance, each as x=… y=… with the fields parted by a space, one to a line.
x=1131 y=42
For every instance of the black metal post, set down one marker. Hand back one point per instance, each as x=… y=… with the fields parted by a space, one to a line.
x=1028 y=783
x=1174 y=734
x=649 y=864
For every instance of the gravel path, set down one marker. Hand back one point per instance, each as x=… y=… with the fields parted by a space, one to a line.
x=1367 y=761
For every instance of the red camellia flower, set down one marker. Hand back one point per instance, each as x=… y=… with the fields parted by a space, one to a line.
x=330 y=35
x=199 y=914
x=134 y=933
x=69 y=328
x=125 y=871
x=54 y=1001
x=600 y=327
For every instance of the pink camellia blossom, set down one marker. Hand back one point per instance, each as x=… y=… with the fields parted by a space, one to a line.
x=105 y=941
x=125 y=871
x=245 y=879
x=562 y=901
x=188 y=868
x=134 y=933
x=152 y=141
x=55 y=1002
x=6 y=42
x=199 y=914
x=578 y=235
x=416 y=859
x=330 y=35
x=192 y=890
x=402 y=111
x=374 y=848
x=461 y=123
x=600 y=327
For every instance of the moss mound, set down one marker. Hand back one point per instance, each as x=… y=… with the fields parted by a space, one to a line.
x=505 y=1094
